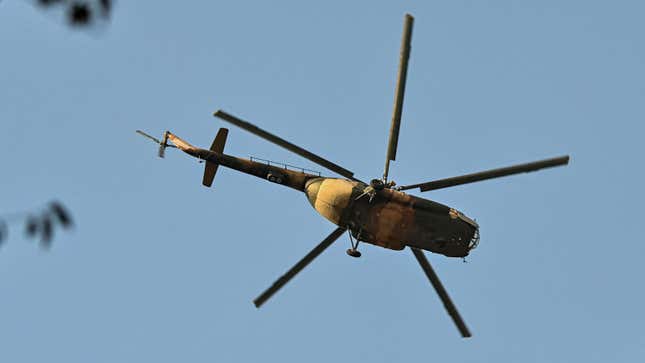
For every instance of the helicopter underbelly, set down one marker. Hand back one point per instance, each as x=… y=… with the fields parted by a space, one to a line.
x=392 y=219
x=395 y=226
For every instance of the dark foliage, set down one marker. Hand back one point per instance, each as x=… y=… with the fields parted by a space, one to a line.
x=39 y=225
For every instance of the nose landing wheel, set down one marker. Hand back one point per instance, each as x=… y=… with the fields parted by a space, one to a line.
x=354 y=252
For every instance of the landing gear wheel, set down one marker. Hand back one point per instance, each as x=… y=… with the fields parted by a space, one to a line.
x=353 y=252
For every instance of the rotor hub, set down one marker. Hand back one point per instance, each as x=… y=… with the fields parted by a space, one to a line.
x=377 y=184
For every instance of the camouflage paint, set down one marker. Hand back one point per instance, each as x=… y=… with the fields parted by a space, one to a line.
x=392 y=219
x=276 y=174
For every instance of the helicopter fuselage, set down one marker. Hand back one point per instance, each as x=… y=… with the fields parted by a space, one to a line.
x=390 y=219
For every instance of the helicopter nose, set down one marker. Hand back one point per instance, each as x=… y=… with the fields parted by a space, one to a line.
x=330 y=197
x=312 y=187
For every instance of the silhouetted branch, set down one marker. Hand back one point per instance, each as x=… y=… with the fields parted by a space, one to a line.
x=4 y=231
x=61 y=213
x=38 y=224
x=80 y=13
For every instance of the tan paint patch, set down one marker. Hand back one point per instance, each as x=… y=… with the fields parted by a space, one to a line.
x=180 y=143
x=311 y=190
x=334 y=195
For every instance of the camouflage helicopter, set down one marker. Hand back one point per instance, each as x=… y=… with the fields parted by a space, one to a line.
x=379 y=212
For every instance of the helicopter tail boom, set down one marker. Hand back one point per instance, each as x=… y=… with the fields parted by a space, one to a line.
x=214 y=157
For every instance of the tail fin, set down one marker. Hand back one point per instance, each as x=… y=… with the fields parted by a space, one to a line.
x=218 y=147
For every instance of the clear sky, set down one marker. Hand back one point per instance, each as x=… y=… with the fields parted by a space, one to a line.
x=162 y=269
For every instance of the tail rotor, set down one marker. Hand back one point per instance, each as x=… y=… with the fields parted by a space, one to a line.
x=163 y=143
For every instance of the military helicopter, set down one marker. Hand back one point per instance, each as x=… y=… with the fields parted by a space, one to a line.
x=379 y=212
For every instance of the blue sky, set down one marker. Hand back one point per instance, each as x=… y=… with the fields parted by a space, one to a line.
x=162 y=269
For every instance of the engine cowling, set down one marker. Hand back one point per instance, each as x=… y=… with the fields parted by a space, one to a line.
x=331 y=197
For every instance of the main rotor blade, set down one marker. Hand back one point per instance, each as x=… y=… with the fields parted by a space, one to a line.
x=283 y=143
x=298 y=267
x=447 y=303
x=489 y=174
x=400 y=93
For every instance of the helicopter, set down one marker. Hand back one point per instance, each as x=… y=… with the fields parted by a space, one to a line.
x=379 y=212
